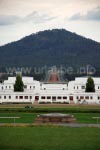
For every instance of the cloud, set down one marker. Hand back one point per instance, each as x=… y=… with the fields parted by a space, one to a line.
x=8 y=20
x=91 y=15
x=35 y=17
x=38 y=17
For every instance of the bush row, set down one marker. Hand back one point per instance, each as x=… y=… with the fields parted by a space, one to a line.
x=49 y=110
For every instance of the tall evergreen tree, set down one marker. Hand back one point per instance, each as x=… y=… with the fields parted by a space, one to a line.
x=90 y=87
x=19 y=86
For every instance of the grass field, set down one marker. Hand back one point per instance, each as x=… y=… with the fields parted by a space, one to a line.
x=24 y=117
x=29 y=117
x=49 y=138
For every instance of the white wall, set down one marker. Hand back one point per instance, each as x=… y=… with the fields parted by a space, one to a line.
x=52 y=90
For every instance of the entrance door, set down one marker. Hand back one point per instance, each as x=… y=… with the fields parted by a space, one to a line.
x=71 y=98
x=36 y=98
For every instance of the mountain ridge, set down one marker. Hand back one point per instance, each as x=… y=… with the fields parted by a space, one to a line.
x=51 y=47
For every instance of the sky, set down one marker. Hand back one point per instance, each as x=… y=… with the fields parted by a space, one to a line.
x=19 y=18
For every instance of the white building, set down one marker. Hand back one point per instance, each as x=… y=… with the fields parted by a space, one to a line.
x=7 y=93
x=78 y=86
x=35 y=91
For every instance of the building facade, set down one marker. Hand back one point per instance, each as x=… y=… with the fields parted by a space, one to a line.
x=72 y=92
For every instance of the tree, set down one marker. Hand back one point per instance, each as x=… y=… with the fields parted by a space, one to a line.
x=90 y=87
x=19 y=86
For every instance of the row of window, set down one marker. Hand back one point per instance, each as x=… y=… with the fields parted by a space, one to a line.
x=23 y=97
x=77 y=87
x=86 y=97
x=31 y=87
x=17 y=97
x=53 y=97
x=9 y=87
x=9 y=97
x=83 y=87
x=65 y=97
x=6 y=87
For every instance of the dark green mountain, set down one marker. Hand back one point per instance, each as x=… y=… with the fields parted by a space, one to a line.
x=51 y=47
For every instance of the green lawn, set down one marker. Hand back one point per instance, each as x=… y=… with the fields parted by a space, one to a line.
x=86 y=117
x=29 y=117
x=24 y=117
x=49 y=138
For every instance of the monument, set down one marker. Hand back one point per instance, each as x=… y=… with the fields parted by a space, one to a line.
x=55 y=118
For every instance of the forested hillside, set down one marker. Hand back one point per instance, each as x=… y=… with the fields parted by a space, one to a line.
x=51 y=47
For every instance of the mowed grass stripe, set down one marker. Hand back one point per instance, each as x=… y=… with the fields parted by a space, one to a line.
x=49 y=138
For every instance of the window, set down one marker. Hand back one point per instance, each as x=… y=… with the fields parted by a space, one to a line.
x=30 y=97
x=48 y=97
x=20 y=97
x=98 y=87
x=16 y=97
x=86 y=97
x=59 y=97
x=30 y=87
x=64 y=97
x=77 y=87
x=2 y=87
x=9 y=87
x=25 y=86
x=42 y=97
x=4 y=97
x=81 y=97
x=0 y=97
x=98 y=97
x=83 y=87
x=74 y=87
x=44 y=88
x=77 y=97
x=26 y=97
x=33 y=87
x=91 y=97
x=54 y=98
x=9 y=97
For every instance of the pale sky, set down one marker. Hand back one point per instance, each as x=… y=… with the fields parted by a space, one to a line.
x=19 y=18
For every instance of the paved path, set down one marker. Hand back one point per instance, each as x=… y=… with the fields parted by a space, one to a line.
x=80 y=125
x=33 y=124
